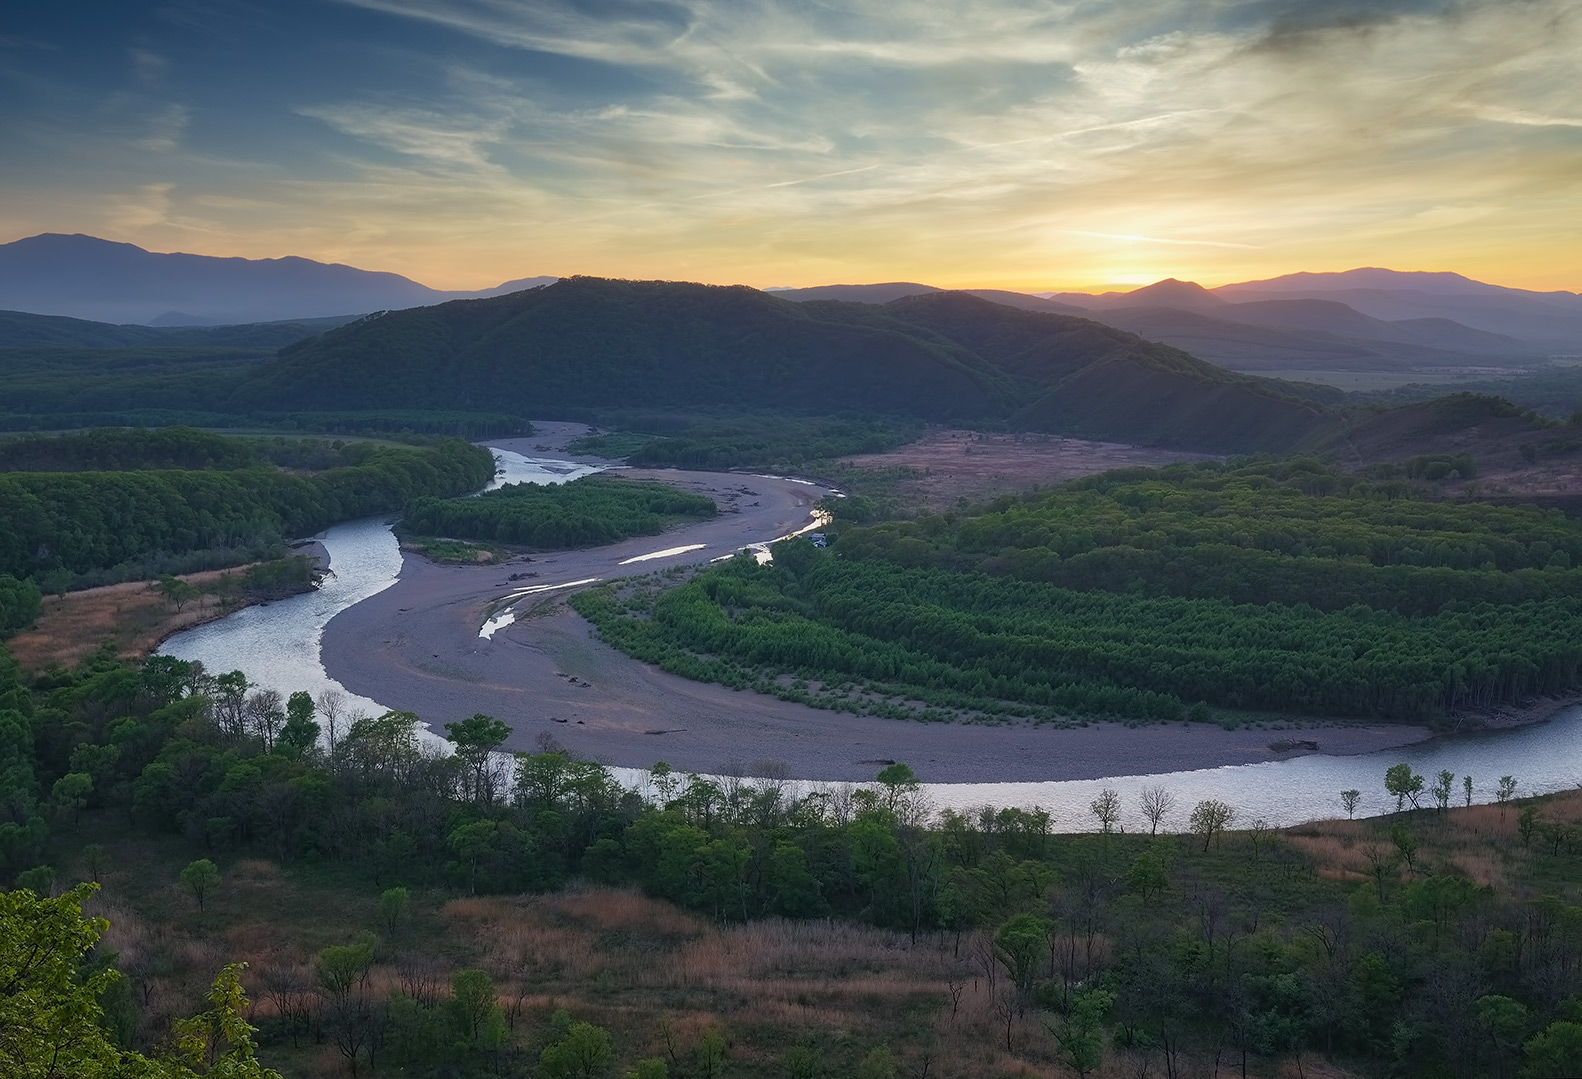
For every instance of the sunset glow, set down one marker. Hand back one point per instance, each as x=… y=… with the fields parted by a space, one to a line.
x=1027 y=145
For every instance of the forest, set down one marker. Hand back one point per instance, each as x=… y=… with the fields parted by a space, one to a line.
x=1293 y=532
x=586 y=512
x=736 y=438
x=589 y=343
x=1142 y=595
x=133 y=498
x=353 y=870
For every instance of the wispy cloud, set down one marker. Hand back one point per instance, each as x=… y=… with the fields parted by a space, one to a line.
x=1132 y=238
x=1026 y=142
x=1526 y=119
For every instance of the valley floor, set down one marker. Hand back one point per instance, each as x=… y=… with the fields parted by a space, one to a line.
x=416 y=647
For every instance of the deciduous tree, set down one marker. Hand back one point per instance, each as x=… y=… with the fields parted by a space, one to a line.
x=1209 y=818
x=200 y=877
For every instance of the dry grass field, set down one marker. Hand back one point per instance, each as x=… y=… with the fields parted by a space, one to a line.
x=955 y=464
x=132 y=618
x=656 y=977
x=1481 y=842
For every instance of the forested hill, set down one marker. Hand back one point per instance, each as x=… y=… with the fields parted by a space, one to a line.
x=589 y=342
x=21 y=329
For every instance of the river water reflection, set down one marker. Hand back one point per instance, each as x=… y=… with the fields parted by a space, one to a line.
x=278 y=646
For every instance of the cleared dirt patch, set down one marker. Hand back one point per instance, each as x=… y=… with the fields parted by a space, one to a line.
x=955 y=464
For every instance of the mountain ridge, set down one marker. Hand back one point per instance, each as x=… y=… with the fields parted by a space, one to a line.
x=1368 y=318
x=946 y=357
x=79 y=276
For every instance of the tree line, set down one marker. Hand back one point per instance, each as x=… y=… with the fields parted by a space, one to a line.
x=1292 y=532
x=869 y=630
x=586 y=512
x=81 y=522
x=655 y=439
x=1172 y=940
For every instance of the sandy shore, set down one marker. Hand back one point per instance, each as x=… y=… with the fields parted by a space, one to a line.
x=416 y=646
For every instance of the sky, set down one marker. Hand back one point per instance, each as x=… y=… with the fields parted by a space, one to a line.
x=1025 y=144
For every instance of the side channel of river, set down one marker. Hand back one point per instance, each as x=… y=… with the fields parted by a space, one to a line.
x=278 y=646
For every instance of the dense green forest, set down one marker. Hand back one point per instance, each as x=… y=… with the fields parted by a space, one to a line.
x=1144 y=594
x=876 y=636
x=586 y=343
x=593 y=349
x=736 y=439
x=25 y=330
x=1552 y=391
x=152 y=495
x=1166 y=951
x=1293 y=532
x=586 y=512
x=62 y=389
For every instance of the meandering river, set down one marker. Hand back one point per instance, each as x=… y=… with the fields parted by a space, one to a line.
x=278 y=645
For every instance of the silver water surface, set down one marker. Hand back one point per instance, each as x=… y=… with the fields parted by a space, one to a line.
x=278 y=646
x=1543 y=758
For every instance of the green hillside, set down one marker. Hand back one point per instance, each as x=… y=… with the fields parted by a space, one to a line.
x=946 y=357
x=22 y=329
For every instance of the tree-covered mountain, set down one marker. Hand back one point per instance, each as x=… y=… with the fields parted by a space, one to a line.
x=21 y=329
x=949 y=357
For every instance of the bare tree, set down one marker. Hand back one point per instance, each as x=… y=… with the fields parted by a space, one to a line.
x=290 y=989
x=1381 y=865
x=228 y=694
x=265 y=713
x=1157 y=803
x=421 y=978
x=331 y=704
x=1005 y=1010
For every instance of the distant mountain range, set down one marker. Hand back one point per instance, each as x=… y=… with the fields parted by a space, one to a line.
x=1365 y=319
x=1368 y=319
x=87 y=278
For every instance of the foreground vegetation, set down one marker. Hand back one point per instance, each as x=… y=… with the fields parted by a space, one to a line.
x=404 y=913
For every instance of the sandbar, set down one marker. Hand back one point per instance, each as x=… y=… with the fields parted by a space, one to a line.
x=416 y=647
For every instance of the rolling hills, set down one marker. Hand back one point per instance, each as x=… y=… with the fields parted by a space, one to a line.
x=947 y=357
x=21 y=329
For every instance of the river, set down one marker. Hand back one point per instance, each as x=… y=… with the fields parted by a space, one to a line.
x=278 y=646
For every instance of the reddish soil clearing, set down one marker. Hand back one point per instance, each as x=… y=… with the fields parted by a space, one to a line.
x=954 y=464
x=131 y=617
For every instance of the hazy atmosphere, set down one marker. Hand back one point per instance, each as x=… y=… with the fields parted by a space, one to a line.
x=1027 y=145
